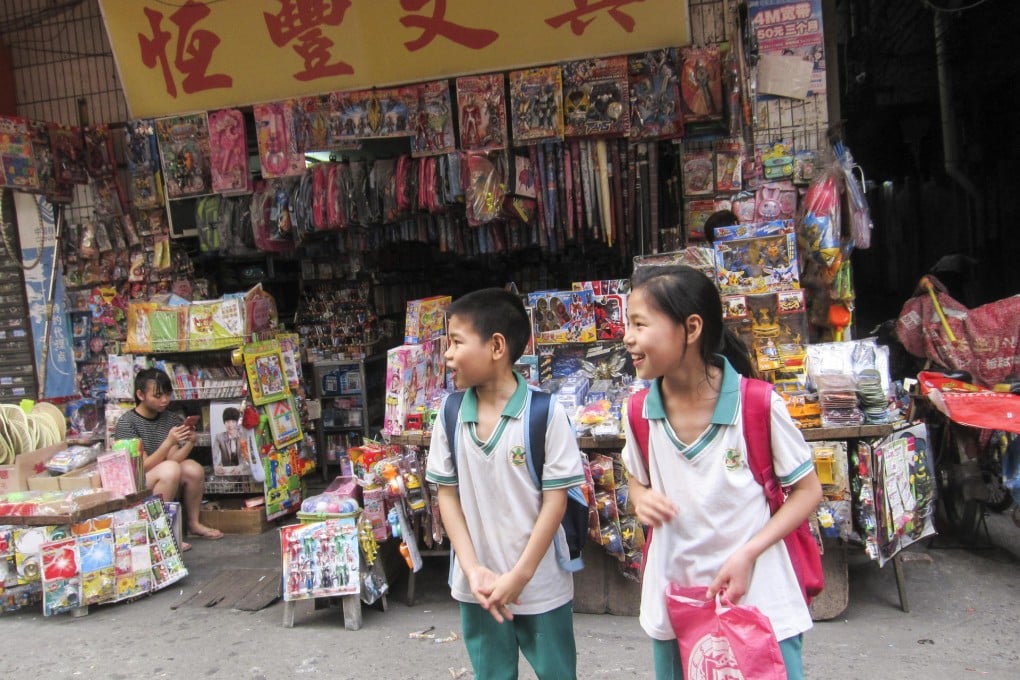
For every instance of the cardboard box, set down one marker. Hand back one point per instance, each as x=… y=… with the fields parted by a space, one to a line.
x=44 y=482
x=15 y=477
x=231 y=517
x=82 y=478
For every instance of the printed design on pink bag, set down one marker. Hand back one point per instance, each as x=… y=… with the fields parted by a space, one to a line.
x=712 y=658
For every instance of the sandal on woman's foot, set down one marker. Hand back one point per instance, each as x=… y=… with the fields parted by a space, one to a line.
x=185 y=547
x=208 y=533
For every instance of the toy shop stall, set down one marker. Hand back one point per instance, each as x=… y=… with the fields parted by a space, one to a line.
x=288 y=263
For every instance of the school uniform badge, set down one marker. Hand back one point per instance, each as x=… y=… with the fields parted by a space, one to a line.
x=518 y=456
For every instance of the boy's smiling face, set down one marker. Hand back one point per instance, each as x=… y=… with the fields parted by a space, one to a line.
x=468 y=355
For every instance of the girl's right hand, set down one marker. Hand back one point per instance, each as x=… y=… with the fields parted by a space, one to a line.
x=651 y=507
x=180 y=434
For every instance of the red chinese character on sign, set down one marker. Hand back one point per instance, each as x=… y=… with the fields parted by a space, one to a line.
x=300 y=20
x=194 y=49
x=475 y=38
x=583 y=8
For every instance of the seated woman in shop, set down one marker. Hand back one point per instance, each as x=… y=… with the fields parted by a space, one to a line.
x=167 y=441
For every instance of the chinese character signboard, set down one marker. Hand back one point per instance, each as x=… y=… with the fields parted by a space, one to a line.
x=203 y=55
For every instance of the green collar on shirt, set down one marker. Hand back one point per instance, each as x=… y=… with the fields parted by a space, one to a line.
x=513 y=409
x=725 y=408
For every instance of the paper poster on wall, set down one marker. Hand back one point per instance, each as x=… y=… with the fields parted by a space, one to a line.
x=231 y=454
x=36 y=230
x=790 y=29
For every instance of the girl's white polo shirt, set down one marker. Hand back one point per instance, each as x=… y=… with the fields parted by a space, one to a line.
x=721 y=507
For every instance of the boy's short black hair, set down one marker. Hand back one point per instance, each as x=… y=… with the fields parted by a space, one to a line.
x=494 y=310
x=720 y=218
x=231 y=413
x=153 y=375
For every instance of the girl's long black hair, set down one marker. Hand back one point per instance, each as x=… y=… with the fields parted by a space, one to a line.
x=679 y=291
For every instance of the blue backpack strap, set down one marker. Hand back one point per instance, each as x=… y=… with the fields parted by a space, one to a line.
x=535 y=427
x=451 y=408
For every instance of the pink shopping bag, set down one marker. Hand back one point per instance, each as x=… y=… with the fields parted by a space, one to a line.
x=719 y=639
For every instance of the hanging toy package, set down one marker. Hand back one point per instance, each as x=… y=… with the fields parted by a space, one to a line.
x=818 y=230
x=860 y=215
x=484 y=186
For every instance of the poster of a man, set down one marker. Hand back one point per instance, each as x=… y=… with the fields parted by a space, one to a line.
x=229 y=448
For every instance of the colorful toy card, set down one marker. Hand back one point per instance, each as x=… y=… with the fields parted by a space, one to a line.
x=278 y=152
x=536 y=105
x=321 y=559
x=654 y=95
x=482 y=107
x=184 y=150
x=18 y=169
x=99 y=157
x=365 y=114
x=311 y=123
x=215 y=324
x=596 y=98
x=756 y=258
x=698 y=173
x=45 y=169
x=61 y=577
x=98 y=576
x=564 y=316
x=433 y=126
x=263 y=362
x=229 y=153
x=68 y=154
x=284 y=421
x=425 y=319
x=729 y=163
x=701 y=83
x=282 y=481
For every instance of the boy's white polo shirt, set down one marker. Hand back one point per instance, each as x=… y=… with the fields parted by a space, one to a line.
x=499 y=498
x=721 y=507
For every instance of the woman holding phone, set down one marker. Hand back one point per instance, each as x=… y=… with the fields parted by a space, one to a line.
x=167 y=441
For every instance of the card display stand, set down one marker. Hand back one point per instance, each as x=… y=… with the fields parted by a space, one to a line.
x=322 y=561
x=112 y=552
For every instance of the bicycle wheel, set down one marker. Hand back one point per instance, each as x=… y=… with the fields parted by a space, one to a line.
x=999 y=497
x=960 y=515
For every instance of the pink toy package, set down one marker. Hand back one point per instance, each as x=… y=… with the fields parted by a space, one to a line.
x=229 y=154
x=405 y=384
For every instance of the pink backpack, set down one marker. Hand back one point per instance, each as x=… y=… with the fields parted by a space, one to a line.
x=756 y=399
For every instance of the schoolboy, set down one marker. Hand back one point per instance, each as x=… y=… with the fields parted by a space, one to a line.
x=515 y=598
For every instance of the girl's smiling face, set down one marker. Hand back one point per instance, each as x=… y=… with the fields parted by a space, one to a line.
x=655 y=342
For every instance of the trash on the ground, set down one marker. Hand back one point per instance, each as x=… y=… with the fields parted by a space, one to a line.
x=450 y=638
x=425 y=634
x=459 y=673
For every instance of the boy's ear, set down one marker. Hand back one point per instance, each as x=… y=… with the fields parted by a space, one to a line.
x=498 y=341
